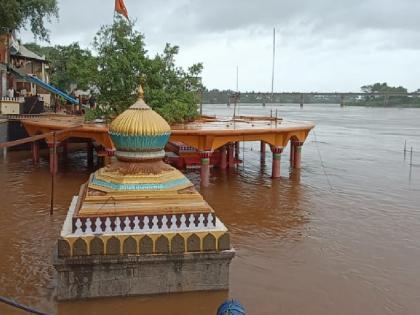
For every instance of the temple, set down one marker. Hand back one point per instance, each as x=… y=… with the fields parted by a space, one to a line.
x=138 y=226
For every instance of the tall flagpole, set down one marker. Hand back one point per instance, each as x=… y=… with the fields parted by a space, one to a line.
x=274 y=61
x=237 y=78
x=115 y=11
x=236 y=95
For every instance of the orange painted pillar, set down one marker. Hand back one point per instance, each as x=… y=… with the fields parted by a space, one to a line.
x=205 y=168
x=297 y=154
x=35 y=152
x=223 y=158
x=53 y=158
x=231 y=158
x=276 y=161
x=262 y=149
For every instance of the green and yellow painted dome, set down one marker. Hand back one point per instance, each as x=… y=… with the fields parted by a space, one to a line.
x=139 y=133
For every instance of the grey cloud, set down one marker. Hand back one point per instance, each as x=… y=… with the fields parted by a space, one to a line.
x=377 y=38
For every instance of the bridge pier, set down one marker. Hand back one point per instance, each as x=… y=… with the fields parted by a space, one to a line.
x=341 y=100
x=302 y=98
x=386 y=100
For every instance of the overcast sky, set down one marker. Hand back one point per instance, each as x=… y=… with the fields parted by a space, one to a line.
x=322 y=45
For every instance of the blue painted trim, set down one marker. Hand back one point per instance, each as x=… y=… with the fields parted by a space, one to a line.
x=138 y=143
x=125 y=187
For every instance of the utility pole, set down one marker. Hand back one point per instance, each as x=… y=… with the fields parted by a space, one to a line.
x=237 y=78
x=236 y=95
x=274 y=62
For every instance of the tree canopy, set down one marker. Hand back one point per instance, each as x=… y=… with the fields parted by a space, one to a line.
x=382 y=88
x=123 y=64
x=118 y=66
x=16 y=14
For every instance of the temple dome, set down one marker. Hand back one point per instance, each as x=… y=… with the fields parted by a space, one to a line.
x=139 y=133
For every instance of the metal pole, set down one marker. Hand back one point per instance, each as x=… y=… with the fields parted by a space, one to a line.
x=237 y=91
x=274 y=60
x=21 y=306
x=201 y=102
x=411 y=156
x=53 y=174
x=237 y=78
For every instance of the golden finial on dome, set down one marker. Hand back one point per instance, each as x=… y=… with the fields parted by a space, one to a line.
x=140 y=92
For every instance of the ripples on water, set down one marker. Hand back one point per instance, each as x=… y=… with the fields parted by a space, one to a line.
x=338 y=239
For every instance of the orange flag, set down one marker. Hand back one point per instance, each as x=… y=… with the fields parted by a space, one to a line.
x=120 y=8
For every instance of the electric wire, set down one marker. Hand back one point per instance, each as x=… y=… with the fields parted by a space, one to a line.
x=322 y=161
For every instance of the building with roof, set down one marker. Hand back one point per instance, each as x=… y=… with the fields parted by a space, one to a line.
x=14 y=54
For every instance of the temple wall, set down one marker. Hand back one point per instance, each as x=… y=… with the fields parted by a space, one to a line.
x=105 y=276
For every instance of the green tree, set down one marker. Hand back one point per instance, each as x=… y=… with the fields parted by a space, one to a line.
x=383 y=88
x=16 y=14
x=123 y=62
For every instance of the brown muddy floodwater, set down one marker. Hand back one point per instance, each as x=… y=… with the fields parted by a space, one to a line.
x=341 y=237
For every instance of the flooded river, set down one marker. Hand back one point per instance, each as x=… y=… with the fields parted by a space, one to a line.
x=342 y=236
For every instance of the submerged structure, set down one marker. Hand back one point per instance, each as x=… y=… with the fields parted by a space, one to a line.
x=138 y=226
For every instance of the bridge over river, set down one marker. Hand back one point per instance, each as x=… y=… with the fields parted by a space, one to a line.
x=303 y=96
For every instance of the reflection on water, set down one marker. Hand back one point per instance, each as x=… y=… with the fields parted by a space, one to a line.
x=338 y=237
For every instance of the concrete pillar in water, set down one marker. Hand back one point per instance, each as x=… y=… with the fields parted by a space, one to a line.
x=53 y=158
x=297 y=156
x=231 y=158
x=223 y=158
x=262 y=150
x=276 y=161
x=89 y=148
x=386 y=100
x=205 y=168
x=342 y=100
x=35 y=152
x=301 y=100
